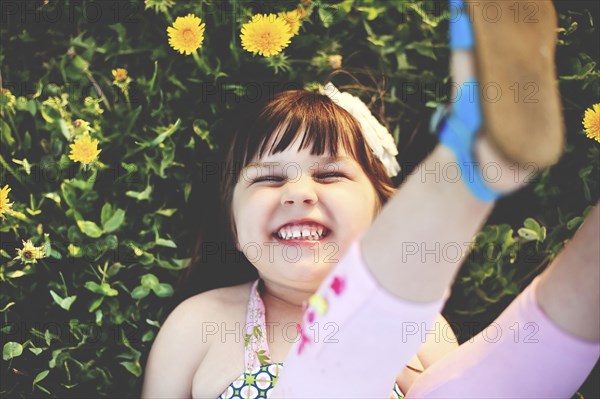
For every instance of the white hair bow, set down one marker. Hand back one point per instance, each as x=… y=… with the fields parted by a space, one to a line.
x=377 y=136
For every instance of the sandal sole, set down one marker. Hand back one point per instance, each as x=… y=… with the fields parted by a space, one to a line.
x=520 y=100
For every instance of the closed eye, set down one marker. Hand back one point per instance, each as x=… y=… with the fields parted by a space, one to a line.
x=327 y=175
x=279 y=178
x=267 y=178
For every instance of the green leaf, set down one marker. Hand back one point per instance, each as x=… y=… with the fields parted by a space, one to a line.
x=8 y=305
x=114 y=269
x=149 y=280
x=372 y=12
x=40 y=376
x=48 y=336
x=36 y=351
x=153 y=79
x=575 y=222
x=153 y=323
x=528 y=234
x=74 y=251
x=165 y=243
x=90 y=229
x=424 y=15
x=115 y=221
x=200 y=127
x=95 y=304
x=140 y=292
x=133 y=367
x=102 y=289
x=148 y=336
x=16 y=274
x=543 y=234
x=169 y=131
x=80 y=63
x=106 y=213
x=63 y=303
x=167 y=212
x=174 y=264
x=424 y=48
x=163 y=290
x=11 y=350
x=326 y=17
x=5 y=134
x=531 y=224
x=69 y=195
x=140 y=195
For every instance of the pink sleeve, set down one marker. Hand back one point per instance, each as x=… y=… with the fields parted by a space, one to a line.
x=522 y=354
x=355 y=337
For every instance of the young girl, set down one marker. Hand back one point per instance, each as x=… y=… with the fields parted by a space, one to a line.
x=309 y=208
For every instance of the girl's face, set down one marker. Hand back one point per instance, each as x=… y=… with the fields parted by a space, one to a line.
x=296 y=187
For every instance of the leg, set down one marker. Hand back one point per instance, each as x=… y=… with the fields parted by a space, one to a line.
x=546 y=342
x=568 y=290
x=376 y=294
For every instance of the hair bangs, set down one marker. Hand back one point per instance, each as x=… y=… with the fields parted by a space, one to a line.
x=323 y=126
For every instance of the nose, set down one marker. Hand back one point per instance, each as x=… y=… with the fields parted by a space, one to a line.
x=299 y=192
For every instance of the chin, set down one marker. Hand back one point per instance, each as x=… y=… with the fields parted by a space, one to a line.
x=310 y=273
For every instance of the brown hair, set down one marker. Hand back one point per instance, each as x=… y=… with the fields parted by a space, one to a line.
x=325 y=125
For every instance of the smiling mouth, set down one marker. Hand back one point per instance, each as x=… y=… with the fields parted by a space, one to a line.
x=301 y=235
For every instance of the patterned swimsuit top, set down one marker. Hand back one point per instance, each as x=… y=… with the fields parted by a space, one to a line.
x=260 y=375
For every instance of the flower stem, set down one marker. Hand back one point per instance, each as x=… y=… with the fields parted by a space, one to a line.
x=201 y=63
x=11 y=170
x=169 y=16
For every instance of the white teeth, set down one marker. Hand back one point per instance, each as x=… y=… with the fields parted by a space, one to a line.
x=303 y=232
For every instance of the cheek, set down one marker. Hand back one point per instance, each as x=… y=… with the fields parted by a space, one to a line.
x=357 y=208
x=250 y=211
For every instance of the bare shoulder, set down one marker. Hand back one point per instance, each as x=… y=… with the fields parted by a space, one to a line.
x=178 y=349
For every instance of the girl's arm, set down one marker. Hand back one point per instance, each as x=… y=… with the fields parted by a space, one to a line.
x=177 y=351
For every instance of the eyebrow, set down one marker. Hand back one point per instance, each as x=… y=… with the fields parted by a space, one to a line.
x=325 y=161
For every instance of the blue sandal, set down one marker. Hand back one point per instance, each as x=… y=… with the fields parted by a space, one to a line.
x=522 y=131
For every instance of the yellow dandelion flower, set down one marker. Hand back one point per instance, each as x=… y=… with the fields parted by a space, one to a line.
x=293 y=19
x=120 y=74
x=335 y=61
x=266 y=35
x=591 y=122
x=84 y=150
x=5 y=206
x=187 y=34
x=30 y=253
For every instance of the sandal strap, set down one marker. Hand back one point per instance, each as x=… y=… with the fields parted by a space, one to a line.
x=458 y=127
x=461 y=31
x=457 y=130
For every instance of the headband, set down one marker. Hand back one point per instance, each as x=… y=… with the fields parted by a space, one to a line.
x=377 y=136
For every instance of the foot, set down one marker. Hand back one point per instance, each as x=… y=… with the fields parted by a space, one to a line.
x=514 y=54
x=498 y=173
